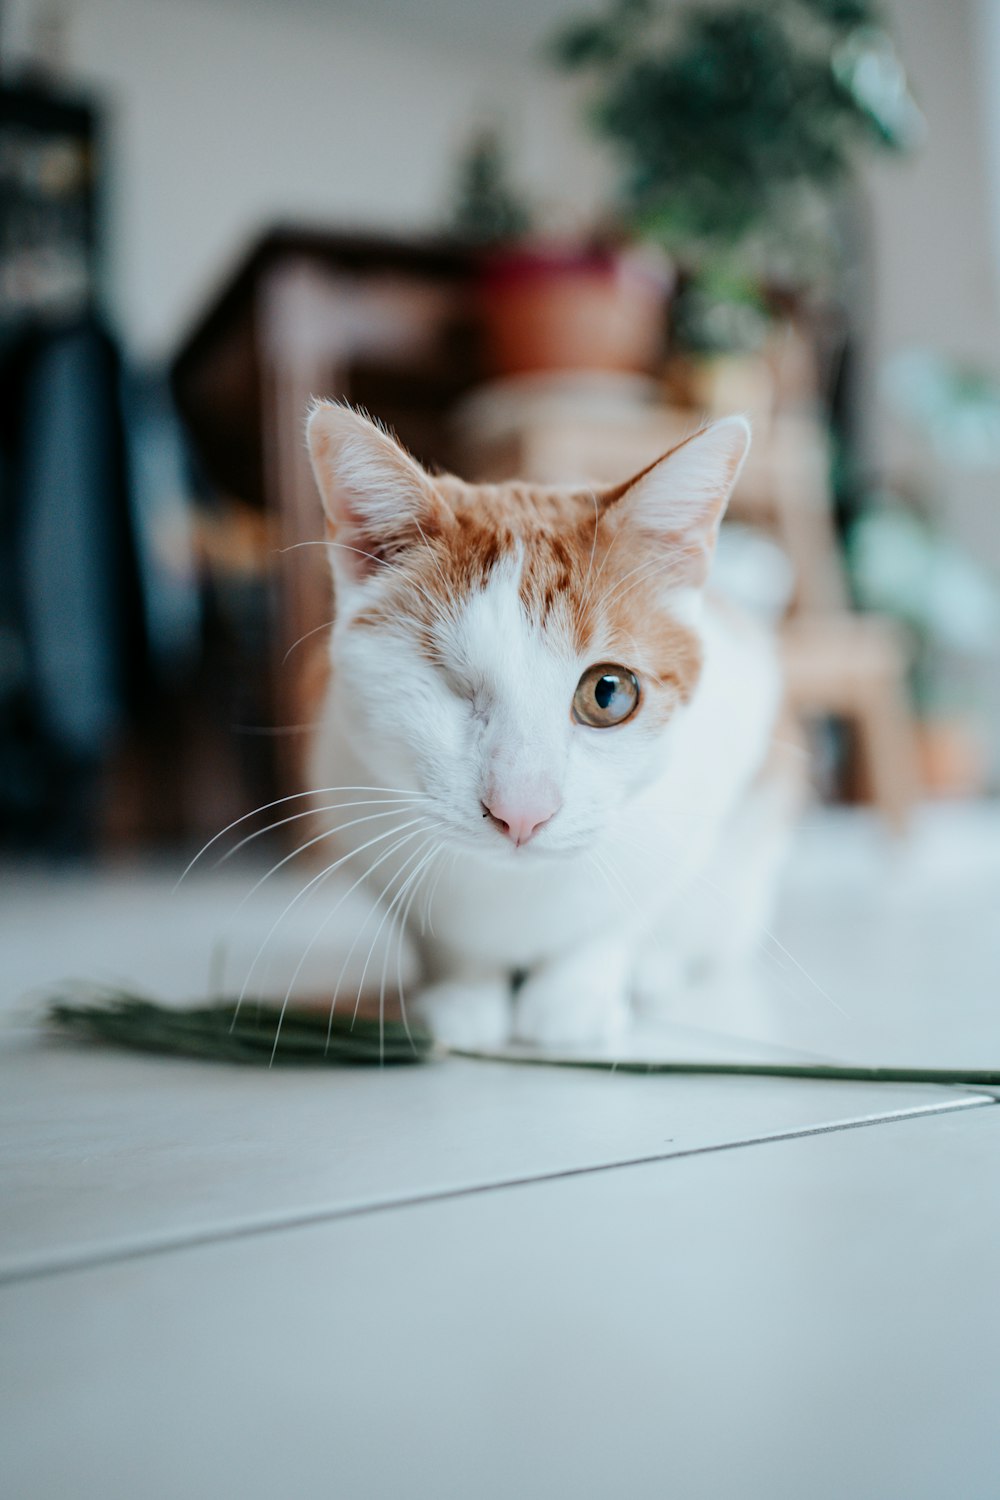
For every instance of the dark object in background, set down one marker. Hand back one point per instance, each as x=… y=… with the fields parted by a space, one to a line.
x=73 y=643
x=48 y=207
x=99 y=608
x=73 y=646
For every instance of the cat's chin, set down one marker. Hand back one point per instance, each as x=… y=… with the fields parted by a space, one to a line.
x=502 y=854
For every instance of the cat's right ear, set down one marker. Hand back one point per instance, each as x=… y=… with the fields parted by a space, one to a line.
x=376 y=497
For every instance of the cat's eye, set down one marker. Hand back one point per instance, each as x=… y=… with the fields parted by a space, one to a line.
x=605 y=695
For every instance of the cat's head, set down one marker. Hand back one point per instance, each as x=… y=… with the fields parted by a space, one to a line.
x=520 y=654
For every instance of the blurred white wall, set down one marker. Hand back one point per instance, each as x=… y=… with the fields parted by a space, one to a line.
x=229 y=115
x=935 y=235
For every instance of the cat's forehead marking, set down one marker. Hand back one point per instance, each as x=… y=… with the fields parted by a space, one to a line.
x=581 y=582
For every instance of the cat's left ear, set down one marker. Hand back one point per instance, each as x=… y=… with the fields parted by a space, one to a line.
x=376 y=497
x=679 y=501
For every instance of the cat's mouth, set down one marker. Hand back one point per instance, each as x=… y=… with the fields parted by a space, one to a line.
x=492 y=843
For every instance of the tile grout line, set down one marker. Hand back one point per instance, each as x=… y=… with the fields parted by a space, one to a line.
x=200 y=1239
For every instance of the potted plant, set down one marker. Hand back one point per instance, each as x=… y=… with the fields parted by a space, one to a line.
x=736 y=126
x=554 y=306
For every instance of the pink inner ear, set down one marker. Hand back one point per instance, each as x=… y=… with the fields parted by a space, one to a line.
x=678 y=502
x=352 y=551
x=375 y=496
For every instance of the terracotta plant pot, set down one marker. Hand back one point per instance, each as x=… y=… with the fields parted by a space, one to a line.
x=572 y=310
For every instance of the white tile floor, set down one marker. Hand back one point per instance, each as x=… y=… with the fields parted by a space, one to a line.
x=473 y=1280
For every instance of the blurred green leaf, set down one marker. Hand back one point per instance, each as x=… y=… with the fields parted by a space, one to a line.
x=729 y=119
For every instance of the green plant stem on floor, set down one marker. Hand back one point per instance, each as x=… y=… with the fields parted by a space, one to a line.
x=846 y=1073
x=224 y=1031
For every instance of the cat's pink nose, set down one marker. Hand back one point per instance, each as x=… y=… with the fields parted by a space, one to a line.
x=520 y=820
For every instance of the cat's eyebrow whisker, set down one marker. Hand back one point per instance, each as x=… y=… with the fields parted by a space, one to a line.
x=638 y=583
x=587 y=583
x=610 y=549
x=322 y=875
x=313 y=791
x=442 y=615
x=439 y=610
x=391 y=804
x=671 y=567
x=433 y=555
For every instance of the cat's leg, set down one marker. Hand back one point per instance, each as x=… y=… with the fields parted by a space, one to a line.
x=708 y=945
x=466 y=1006
x=579 y=997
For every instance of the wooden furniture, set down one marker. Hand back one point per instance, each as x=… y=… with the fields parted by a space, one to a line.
x=381 y=322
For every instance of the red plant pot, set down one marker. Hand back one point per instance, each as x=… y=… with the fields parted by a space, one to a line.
x=572 y=310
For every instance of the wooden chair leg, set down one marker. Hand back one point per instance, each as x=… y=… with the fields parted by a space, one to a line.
x=888 y=750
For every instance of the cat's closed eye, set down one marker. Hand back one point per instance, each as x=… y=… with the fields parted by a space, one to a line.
x=606 y=695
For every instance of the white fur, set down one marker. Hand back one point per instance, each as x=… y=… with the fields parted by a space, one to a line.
x=579 y=912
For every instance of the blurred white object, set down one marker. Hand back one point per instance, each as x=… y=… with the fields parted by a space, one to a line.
x=752 y=570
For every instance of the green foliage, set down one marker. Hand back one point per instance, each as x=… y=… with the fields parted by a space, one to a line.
x=486 y=209
x=720 y=311
x=728 y=118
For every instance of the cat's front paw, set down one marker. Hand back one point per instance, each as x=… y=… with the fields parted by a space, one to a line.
x=468 y=1013
x=572 y=1005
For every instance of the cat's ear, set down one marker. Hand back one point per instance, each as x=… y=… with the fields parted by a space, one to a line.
x=376 y=497
x=679 y=501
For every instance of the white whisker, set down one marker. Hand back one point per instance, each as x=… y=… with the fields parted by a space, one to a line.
x=593 y=549
x=368 y=917
x=365 y=874
x=326 y=625
x=411 y=883
x=318 y=838
x=392 y=804
x=316 y=791
x=322 y=875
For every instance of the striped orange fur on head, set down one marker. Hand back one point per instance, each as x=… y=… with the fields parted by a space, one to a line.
x=603 y=567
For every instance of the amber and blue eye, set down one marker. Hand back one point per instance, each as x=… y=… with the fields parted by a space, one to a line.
x=606 y=695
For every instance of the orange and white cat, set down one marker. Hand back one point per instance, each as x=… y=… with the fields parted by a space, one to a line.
x=576 y=737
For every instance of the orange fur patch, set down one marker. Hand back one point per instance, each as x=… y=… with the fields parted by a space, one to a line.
x=582 y=570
